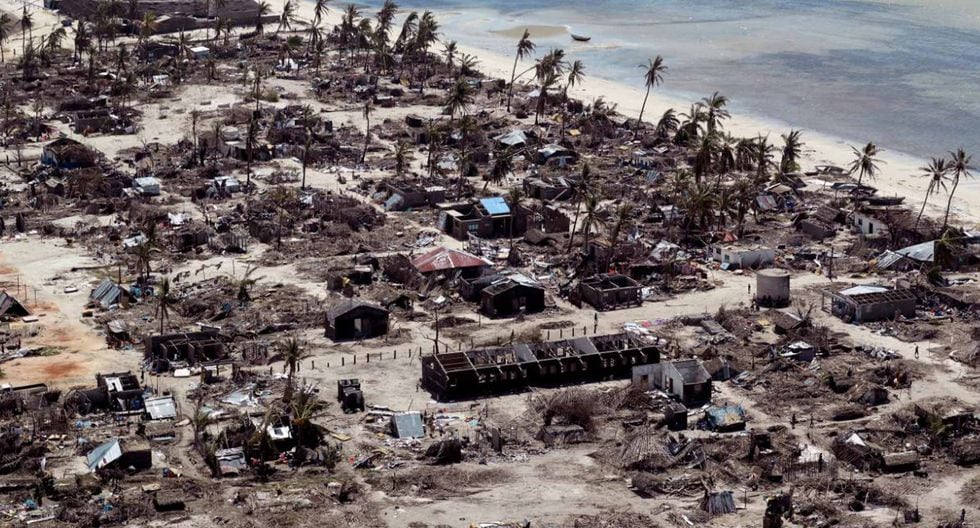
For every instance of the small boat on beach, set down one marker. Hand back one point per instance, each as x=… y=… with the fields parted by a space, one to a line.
x=580 y=38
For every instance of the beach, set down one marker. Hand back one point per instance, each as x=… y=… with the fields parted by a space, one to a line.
x=614 y=73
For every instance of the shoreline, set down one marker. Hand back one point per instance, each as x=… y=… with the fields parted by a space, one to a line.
x=900 y=172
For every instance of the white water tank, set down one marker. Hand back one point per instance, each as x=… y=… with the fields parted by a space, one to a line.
x=772 y=287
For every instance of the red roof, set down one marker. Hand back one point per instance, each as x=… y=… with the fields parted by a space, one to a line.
x=441 y=259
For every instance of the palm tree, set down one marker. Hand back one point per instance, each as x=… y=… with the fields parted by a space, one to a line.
x=287 y=17
x=705 y=156
x=590 y=218
x=366 y=112
x=653 y=77
x=303 y=408
x=762 y=151
x=403 y=153
x=959 y=168
x=450 y=49
x=514 y=196
x=714 y=111
x=936 y=171
x=262 y=9
x=164 y=302
x=547 y=82
x=292 y=355
x=865 y=162
x=244 y=285
x=792 y=148
x=575 y=76
x=503 y=164
x=524 y=50
x=623 y=214
x=5 y=21
x=425 y=35
x=667 y=124
x=200 y=422
x=319 y=9
x=251 y=138
x=26 y=27
x=459 y=99
x=581 y=189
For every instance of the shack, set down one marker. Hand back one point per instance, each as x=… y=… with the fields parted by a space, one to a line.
x=608 y=291
x=354 y=319
x=11 y=308
x=512 y=296
x=743 y=255
x=687 y=380
x=108 y=294
x=65 y=153
x=451 y=261
x=867 y=303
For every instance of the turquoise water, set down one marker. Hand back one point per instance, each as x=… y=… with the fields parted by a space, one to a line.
x=905 y=74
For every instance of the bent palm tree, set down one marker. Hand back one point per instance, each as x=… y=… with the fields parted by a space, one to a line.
x=525 y=47
x=959 y=168
x=936 y=171
x=653 y=77
x=5 y=21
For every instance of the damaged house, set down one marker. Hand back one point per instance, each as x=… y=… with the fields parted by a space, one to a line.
x=687 y=380
x=108 y=294
x=164 y=352
x=353 y=319
x=451 y=261
x=473 y=373
x=11 y=308
x=743 y=255
x=65 y=153
x=607 y=291
x=511 y=296
x=867 y=303
x=487 y=218
x=403 y=195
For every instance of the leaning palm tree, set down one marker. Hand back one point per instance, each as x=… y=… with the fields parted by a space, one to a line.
x=959 y=168
x=667 y=124
x=792 y=148
x=547 y=82
x=653 y=77
x=575 y=76
x=319 y=9
x=865 y=162
x=164 y=301
x=459 y=99
x=5 y=21
x=244 y=285
x=525 y=47
x=936 y=171
x=292 y=355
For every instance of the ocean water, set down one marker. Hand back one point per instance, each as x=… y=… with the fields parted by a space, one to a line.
x=902 y=73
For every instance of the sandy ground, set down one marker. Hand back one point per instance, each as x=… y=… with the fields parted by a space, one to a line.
x=45 y=268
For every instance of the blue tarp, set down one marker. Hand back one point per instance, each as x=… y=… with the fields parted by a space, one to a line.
x=407 y=425
x=495 y=205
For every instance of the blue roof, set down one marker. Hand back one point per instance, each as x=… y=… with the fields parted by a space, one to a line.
x=495 y=205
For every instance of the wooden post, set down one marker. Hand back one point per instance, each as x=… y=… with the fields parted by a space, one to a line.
x=342 y=361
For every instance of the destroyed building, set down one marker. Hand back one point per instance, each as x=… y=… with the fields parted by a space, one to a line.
x=473 y=373
x=687 y=380
x=512 y=295
x=486 y=218
x=11 y=308
x=608 y=291
x=743 y=255
x=451 y=261
x=352 y=319
x=867 y=303
x=65 y=153
x=165 y=352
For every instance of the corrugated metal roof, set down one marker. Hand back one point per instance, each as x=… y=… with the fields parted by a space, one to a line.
x=924 y=252
x=441 y=259
x=161 y=408
x=408 y=425
x=104 y=455
x=495 y=205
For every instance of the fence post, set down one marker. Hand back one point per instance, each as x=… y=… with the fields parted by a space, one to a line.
x=368 y=357
x=573 y=331
x=394 y=354
x=355 y=359
x=342 y=361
